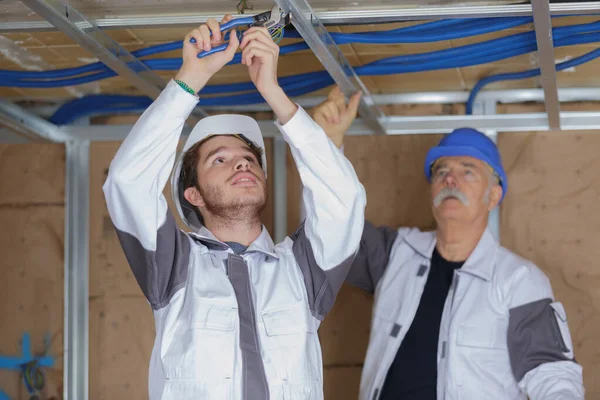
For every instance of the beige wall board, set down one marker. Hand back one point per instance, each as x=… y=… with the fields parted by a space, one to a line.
x=162 y=35
x=268 y=215
x=55 y=38
x=585 y=75
x=561 y=53
x=118 y=85
x=32 y=174
x=10 y=93
x=78 y=55
x=31 y=299
x=574 y=20
x=551 y=217
x=539 y=107
x=341 y=383
x=294 y=194
x=391 y=170
x=23 y=39
x=388 y=50
x=123 y=36
x=423 y=109
x=168 y=54
x=121 y=339
x=373 y=27
x=397 y=25
x=344 y=333
x=47 y=93
x=44 y=53
x=473 y=74
x=490 y=36
x=449 y=79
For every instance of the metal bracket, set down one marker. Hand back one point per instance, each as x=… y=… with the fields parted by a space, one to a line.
x=329 y=54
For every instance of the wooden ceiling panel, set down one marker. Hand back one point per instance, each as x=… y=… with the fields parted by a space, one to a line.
x=23 y=39
x=448 y=79
x=58 y=50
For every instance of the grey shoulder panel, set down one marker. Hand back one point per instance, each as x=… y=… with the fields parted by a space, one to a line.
x=373 y=256
x=322 y=286
x=534 y=337
x=162 y=272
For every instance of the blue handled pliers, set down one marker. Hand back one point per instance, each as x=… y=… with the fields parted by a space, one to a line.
x=273 y=20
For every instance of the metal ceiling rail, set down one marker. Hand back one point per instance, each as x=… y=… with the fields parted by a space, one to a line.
x=338 y=17
x=30 y=125
x=76 y=270
x=505 y=96
x=546 y=60
x=91 y=38
x=329 y=54
x=446 y=97
x=501 y=123
x=398 y=125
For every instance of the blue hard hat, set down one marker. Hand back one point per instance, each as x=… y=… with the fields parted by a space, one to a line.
x=472 y=143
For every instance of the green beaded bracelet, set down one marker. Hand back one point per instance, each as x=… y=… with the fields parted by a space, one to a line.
x=185 y=87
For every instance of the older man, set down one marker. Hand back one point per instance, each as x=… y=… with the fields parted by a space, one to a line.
x=457 y=316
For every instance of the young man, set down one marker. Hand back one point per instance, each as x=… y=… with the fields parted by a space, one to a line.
x=456 y=316
x=236 y=316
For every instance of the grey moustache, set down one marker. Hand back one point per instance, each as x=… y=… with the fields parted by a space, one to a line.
x=450 y=192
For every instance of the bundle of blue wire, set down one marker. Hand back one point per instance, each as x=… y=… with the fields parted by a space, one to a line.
x=244 y=93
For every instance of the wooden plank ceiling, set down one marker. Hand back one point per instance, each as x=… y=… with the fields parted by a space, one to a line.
x=59 y=51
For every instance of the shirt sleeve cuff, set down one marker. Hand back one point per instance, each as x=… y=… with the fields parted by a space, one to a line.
x=175 y=94
x=301 y=127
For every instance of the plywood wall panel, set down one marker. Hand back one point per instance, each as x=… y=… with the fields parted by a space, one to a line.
x=121 y=338
x=552 y=217
x=341 y=383
x=31 y=299
x=344 y=334
x=539 y=107
x=32 y=174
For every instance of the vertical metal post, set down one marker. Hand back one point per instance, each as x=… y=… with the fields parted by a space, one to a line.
x=488 y=107
x=76 y=300
x=280 y=187
x=543 y=34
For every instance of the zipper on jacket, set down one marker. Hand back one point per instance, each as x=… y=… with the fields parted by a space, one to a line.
x=421 y=274
x=446 y=339
x=375 y=395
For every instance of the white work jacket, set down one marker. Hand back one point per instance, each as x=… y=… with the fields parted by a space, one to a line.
x=502 y=334
x=234 y=326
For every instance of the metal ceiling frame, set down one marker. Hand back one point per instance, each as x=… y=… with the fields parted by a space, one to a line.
x=329 y=54
x=78 y=138
x=546 y=60
x=24 y=121
x=355 y=16
x=112 y=54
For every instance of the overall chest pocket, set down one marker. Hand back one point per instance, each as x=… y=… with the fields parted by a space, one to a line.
x=203 y=348
x=482 y=352
x=292 y=349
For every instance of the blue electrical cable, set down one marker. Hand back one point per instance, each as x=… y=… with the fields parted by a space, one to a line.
x=526 y=74
x=473 y=54
x=467 y=27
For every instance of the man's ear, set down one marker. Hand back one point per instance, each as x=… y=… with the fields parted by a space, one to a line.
x=495 y=197
x=192 y=195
